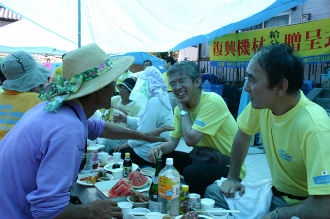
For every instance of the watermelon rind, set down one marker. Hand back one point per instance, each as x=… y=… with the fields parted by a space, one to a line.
x=142 y=186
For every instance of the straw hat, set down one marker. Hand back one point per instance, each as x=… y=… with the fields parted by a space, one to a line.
x=22 y=72
x=89 y=57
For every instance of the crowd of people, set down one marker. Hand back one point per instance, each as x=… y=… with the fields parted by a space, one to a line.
x=43 y=141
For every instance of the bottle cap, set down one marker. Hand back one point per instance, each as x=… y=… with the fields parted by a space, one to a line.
x=169 y=161
x=127 y=154
x=184 y=188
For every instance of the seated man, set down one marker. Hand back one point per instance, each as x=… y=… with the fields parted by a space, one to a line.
x=295 y=133
x=209 y=133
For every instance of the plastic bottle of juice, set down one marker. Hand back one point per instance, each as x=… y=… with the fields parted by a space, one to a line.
x=169 y=189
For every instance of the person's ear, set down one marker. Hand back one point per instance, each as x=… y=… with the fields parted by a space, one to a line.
x=282 y=87
x=198 y=81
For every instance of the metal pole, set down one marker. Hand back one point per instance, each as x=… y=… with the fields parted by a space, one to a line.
x=79 y=24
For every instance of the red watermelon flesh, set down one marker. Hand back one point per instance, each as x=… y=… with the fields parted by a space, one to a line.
x=121 y=188
x=131 y=175
x=138 y=180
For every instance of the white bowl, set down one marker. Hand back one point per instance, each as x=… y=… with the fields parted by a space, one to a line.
x=139 y=213
x=218 y=215
x=207 y=203
x=117 y=173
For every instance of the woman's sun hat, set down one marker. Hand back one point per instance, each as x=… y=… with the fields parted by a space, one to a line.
x=85 y=70
x=22 y=72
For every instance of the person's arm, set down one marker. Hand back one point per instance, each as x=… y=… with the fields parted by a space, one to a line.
x=114 y=131
x=191 y=136
x=165 y=148
x=316 y=206
x=238 y=153
x=97 y=209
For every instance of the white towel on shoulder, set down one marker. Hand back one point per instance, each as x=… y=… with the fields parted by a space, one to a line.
x=255 y=203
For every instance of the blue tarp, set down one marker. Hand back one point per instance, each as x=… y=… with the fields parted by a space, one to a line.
x=141 y=56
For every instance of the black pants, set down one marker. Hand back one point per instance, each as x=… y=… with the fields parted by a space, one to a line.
x=198 y=175
x=136 y=158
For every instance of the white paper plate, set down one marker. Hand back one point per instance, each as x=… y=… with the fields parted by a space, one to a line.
x=108 y=166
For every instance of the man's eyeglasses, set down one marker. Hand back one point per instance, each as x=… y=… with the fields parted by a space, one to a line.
x=178 y=83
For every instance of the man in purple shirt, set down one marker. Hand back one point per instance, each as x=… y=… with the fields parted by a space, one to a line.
x=40 y=157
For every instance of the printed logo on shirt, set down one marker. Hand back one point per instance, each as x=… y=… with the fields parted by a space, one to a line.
x=282 y=153
x=200 y=123
x=323 y=179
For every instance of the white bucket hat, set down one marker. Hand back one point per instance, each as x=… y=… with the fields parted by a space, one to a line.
x=22 y=72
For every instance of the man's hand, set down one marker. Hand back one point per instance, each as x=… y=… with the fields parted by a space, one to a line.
x=103 y=209
x=154 y=153
x=230 y=186
x=119 y=118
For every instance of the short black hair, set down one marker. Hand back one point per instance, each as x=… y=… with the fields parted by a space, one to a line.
x=280 y=62
x=170 y=59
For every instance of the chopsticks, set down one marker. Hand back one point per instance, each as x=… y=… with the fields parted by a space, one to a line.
x=218 y=211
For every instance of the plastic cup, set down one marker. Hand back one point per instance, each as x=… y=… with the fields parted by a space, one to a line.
x=126 y=207
x=116 y=157
x=207 y=203
x=117 y=173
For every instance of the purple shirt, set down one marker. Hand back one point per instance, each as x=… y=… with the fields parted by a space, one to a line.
x=40 y=159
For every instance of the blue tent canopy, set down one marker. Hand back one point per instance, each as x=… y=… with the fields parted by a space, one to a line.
x=141 y=56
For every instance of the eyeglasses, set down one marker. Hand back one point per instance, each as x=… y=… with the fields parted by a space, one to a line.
x=178 y=83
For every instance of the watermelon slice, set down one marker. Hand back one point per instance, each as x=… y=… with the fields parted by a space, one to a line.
x=121 y=188
x=131 y=175
x=138 y=180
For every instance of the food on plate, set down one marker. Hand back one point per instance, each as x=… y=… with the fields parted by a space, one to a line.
x=137 y=179
x=190 y=215
x=90 y=179
x=138 y=197
x=115 y=166
x=121 y=188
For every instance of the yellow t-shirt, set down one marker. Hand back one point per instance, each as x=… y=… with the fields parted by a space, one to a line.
x=296 y=146
x=212 y=118
x=13 y=105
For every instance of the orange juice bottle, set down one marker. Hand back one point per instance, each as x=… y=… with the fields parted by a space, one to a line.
x=169 y=189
